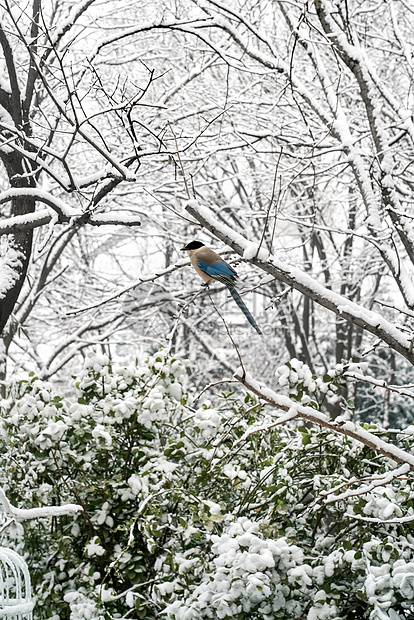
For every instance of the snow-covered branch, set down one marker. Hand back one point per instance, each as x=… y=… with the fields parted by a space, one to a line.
x=344 y=427
x=374 y=481
x=64 y=212
x=300 y=280
x=399 y=389
x=35 y=513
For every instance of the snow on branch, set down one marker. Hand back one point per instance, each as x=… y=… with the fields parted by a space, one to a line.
x=78 y=9
x=105 y=219
x=301 y=281
x=34 y=513
x=398 y=520
x=355 y=488
x=19 y=223
x=344 y=427
x=10 y=265
x=399 y=389
x=64 y=211
x=378 y=480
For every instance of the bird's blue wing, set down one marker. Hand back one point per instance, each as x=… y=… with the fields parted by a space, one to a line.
x=217 y=269
x=220 y=271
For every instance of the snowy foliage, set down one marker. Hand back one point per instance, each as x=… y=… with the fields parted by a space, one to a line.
x=181 y=521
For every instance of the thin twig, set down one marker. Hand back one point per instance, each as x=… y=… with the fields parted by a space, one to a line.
x=193 y=222
x=228 y=332
x=393 y=307
x=139 y=282
x=211 y=385
x=7 y=524
x=179 y=159
x=270 y=204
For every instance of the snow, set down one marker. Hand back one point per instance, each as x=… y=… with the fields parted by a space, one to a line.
x=35 y=513
x=214 y=508
x=111 y=218
x=38 y=218
x=403 y=578
x=379 y=444
x=283 y=402
x=66 y=24
x=253 y=563
x=297 y=372
x=245 y=567
x=249 y=562
x=175 y=390
x=100 y=432
x=322 y=612
x=58 y=205
x=20 y=610
x=81 y=607
x=208 y=421
x=253 y=250
x=10 y=266
x=94 y=548
x=375 y=481
x=346 y=427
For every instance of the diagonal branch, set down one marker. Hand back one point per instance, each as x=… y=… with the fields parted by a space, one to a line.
x=347 y=428
x=14 y=108
x=304 y=283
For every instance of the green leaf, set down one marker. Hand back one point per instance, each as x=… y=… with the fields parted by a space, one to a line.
x=306 y=440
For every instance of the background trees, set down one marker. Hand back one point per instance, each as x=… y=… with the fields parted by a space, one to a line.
x=292 y=122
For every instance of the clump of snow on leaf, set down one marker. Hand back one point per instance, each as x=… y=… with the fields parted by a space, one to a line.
x=249 y=573
x=81 y=607
x=296 y=372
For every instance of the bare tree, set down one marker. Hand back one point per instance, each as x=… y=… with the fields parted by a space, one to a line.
x=68 y=143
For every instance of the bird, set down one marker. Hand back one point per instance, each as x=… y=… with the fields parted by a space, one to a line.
x=211 y=267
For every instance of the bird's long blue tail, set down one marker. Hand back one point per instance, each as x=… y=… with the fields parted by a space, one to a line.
x=239 y=301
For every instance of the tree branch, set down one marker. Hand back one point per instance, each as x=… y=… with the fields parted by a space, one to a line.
x=34 y=513
x=296 y=278
x=347 y=428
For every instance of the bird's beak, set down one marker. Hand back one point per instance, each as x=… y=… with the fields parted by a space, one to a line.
x=183 y=249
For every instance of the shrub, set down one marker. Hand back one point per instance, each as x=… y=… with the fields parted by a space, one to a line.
x=190 y=514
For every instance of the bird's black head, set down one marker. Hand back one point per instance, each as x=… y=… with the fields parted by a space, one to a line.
x=193 y=245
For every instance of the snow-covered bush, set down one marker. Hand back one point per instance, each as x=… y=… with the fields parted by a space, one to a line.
x=185 y=519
